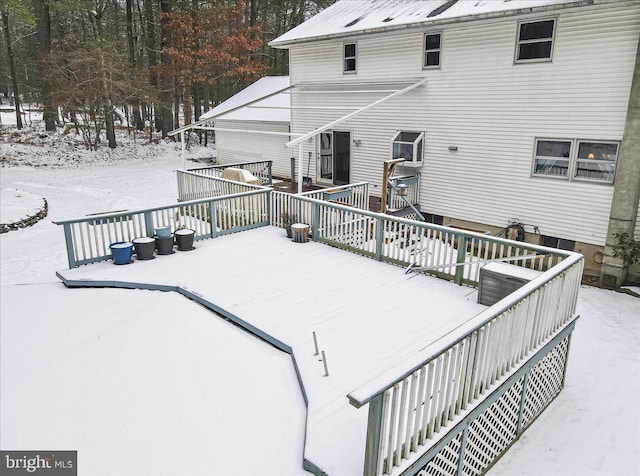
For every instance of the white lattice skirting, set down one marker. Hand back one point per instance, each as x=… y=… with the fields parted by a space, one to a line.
x=477 y=442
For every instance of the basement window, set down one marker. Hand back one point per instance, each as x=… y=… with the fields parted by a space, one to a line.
x=349 y=63
x=535 y=41
x=559 y=243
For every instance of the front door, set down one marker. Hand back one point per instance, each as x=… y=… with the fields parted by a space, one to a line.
x=334 y=156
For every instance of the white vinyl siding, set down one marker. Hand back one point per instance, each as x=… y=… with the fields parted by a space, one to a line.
x=246 y=147
x=491 y=110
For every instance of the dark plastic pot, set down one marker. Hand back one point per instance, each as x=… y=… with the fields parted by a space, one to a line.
x=163 y=232
x=145 y=247
x=121 y=252
x=184 y=239
x=164 y=245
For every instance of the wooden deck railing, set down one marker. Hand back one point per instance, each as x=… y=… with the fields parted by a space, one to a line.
x=88 y=238
x=261 y=169
x=449 y=253
x=410 y=404
x=196 y=186
x=285 y=208
x=412 y=182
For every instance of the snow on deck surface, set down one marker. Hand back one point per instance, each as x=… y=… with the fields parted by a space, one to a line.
x=142 y=383
x=368 y=316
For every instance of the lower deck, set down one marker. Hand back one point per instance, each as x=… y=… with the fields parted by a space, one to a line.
x=368 y=316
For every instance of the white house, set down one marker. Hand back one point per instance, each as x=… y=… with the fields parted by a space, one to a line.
x=519 y=116
x=268 y=121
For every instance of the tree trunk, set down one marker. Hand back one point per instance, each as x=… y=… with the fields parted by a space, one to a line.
x=135 y=102
x=151 y=44
x=43 y=29
x=165 y=79
x=108 y=108
x=12 y=67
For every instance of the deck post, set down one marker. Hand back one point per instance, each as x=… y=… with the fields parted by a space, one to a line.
x=462 y=252
x=566 y=360
x=212 y=214
x=374 y=436
x=269 y=167
x=463 y=444
x=525 y=383
x=315 y=221
x=148 y=223
x=379 y=238
x=68 y=238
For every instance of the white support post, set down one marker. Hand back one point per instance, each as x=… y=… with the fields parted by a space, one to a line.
x=300 y=168
x=184 y=149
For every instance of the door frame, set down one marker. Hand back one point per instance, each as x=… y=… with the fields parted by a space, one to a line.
x=324 y=181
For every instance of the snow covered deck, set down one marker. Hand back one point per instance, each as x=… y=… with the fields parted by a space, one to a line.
x=368 y=316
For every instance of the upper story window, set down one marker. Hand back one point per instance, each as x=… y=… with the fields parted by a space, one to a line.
x=432 y=49
x=576 y=159
x=535 y=41
x=349 y=63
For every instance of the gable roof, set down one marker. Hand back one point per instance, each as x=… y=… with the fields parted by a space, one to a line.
x=351 y=17
x=253 y=94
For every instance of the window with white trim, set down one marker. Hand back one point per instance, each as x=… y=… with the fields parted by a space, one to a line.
x=408 y=146
x=349 y=54
x=432 y=50
x=573 y=159
x=552 y=157
x=596 y=160
x=535 y=41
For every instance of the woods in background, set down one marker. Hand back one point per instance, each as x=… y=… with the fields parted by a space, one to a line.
x=154 y=64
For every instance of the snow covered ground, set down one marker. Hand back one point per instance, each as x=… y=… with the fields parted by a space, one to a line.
x=180 y=381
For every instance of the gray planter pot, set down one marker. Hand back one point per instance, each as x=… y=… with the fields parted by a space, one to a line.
x=164 y=245
x=145 y=248
x=184 y=239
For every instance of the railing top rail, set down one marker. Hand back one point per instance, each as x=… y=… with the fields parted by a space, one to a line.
x=389 y=378
x=164 y=207
x=443 y=228
x=233 y=164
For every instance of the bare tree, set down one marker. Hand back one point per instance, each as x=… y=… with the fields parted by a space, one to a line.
x=12 y=65
x=43 y=29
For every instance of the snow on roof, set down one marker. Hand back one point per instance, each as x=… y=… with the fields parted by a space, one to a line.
x=348 y=17
x=261 y=88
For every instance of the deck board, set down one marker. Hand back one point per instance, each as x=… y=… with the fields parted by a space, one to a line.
x=368 y=317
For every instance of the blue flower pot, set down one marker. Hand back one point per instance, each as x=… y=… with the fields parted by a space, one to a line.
x=121 y=252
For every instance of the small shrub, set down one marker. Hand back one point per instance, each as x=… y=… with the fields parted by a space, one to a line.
x=627 y=249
